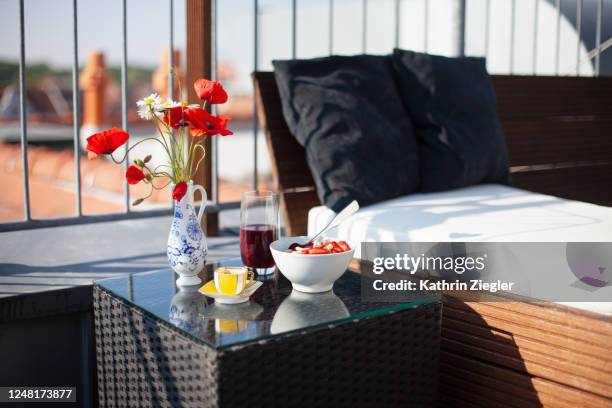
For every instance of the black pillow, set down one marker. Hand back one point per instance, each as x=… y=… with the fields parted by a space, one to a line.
x=346 y=112
x=452 y=105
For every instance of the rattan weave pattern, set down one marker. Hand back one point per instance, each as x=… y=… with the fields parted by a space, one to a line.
x=385 y=361
x=142 y=363
x=389 y=360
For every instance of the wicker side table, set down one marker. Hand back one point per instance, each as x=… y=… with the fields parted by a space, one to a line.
x=387 y=359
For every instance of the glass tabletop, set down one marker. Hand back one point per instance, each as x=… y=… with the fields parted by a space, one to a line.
x=274 y=309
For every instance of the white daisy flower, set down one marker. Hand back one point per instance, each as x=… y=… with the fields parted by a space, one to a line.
x=147 y=106
x=169 y=103
x=151 y=100
x=146 y=112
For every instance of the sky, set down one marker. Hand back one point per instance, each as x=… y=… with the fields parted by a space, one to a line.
x=49 y=31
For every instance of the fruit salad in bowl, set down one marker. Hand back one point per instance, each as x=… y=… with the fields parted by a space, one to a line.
x=311 y=268
x=319 y=248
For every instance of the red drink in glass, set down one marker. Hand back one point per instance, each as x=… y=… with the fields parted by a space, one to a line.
x=255 y=243
x=259 y=227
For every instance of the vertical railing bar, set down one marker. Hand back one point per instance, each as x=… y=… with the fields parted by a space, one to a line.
x=214 y=74
x=512 y=30
x=558 y=44
x=579 y=32
x=331 y=27
x=23 y=113
x=426 y=25
x=460 y=28
x=130 y=287
x=293 y=28
x=598 y=26
x=171 y=50
x=255 y=67
x=487 y=28
x=536 y=18
x=364 y=25
x=124 y=100
x=398 y=10
x=75 y=108
x=171 y=60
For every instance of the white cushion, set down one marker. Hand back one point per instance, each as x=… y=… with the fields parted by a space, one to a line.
x=488 y=212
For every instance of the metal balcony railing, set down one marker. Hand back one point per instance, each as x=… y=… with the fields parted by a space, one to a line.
x=29 y=222
x=214 y=206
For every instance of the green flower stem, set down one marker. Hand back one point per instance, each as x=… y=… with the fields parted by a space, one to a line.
x=162 y=187
x=150 y=192
x=193 y=146
x=182 y=167
x=171 y=148
x=133 y=146
x=192 y=143
x=156 y=173
x=190 y=156
x=201 y=158
x=192 y=153
x=159 y=130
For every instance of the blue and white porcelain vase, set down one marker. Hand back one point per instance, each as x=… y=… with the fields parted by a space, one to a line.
x=187 y=249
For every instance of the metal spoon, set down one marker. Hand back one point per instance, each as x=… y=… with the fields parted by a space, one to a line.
x=337 y=220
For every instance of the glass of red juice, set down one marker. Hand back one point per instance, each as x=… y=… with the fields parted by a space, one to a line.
x=259 y=227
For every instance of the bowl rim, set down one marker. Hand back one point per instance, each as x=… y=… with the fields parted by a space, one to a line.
x=350 y=251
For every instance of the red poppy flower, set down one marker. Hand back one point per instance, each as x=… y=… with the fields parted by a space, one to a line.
x=219 y=126
x=199 y=120
x=179 y=191
x=175 y=117
x=134 y=175
x=205 y=124
x=211 y=91
x=106 y=142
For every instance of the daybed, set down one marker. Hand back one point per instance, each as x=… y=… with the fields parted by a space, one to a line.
x=521 y=353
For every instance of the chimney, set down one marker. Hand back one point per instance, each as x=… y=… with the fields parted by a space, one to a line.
x=160 y=76
x=93 y=80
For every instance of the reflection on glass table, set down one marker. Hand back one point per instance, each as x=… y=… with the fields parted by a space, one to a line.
x=233 y=322
x=273 y=310
x=307 y=309
x=185 y=310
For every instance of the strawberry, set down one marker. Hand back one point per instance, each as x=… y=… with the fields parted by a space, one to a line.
x=344 y=246
x=317 y=251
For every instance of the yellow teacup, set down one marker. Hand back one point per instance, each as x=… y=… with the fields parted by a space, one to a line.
x=231 y=280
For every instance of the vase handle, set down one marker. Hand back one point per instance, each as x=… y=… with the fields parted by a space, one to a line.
x=204 y=200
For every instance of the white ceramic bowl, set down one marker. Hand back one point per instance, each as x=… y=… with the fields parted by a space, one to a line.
x=309 y=273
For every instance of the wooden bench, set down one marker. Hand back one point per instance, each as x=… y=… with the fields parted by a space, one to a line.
x=558 y=132
x=523 y=353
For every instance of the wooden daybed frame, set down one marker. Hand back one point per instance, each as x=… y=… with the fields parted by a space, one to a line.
x=522 y=353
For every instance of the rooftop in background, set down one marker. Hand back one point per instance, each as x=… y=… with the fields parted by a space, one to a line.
x=49 y=101
x=52 y=185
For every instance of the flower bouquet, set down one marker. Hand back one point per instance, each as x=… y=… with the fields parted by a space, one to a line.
x=181 y=128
